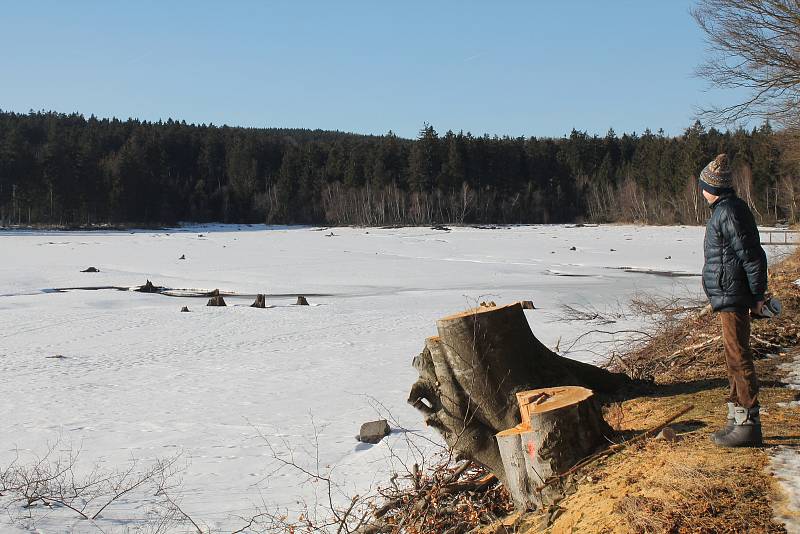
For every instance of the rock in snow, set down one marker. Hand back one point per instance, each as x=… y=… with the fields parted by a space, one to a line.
x=374 y=431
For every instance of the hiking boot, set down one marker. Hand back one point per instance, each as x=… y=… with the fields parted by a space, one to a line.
x=728 y=423
x=746 y=431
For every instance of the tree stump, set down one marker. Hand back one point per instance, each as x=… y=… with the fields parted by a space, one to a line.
x=148 y=287
x=470 y=373
x=301 y=301
x=91 y=270
x=185 y=309
x=560 y=426
x=261 y=301
x=216 y=301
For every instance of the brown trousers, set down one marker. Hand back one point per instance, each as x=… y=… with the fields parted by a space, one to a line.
x=739 y=358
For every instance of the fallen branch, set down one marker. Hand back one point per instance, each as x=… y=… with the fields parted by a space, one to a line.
x=697 y=346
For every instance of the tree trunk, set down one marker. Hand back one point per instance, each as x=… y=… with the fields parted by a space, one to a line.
x=559 y=427
x=471 y=372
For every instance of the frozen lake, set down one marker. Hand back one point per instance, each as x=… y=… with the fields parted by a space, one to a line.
x=140 y=379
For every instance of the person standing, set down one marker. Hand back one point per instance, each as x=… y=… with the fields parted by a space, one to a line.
x=735 y=282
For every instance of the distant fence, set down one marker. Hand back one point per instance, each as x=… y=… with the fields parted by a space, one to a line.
x=780 y=237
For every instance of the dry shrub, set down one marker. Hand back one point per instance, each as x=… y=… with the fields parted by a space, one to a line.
x=688 y=347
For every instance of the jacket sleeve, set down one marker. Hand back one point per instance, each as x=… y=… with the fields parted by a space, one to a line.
x=740 y=230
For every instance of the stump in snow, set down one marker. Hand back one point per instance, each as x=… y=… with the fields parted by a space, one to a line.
x=148 y=287
x=91 y=270
x=527 y=305
x=470 y=373
x=301 y=301
x=214 y=293
x=185 y=309
x=183 y=257
x=261 y=301
x=216 y=301
x=560 y=426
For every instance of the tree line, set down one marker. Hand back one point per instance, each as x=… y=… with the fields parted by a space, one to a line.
x=66 y=169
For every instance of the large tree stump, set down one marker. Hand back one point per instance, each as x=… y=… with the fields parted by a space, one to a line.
x=559 y=427
x=471 y=372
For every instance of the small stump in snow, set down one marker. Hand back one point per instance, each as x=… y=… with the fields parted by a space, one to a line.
x=148 y=287
x=301 y=301
x=185 y=309
x=91 y=270
x=216 y=301
x=183 y=257
x=374 y=431
x=527 y=305
x=261 y=301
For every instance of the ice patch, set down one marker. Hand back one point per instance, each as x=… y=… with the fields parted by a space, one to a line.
x=785 y=464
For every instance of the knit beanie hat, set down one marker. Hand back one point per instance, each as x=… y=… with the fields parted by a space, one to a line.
x=716 y=177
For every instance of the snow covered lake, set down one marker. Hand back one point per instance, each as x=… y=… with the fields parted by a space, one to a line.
x=140 y=379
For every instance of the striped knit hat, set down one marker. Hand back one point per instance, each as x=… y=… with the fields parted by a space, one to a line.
x=716 y=177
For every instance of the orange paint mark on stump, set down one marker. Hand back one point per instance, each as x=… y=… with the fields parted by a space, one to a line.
x=531 y=449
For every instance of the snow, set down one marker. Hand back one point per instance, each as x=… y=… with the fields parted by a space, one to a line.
x=785 y=464
x=141 y=380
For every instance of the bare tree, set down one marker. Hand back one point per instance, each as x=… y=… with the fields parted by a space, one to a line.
x=754 y=45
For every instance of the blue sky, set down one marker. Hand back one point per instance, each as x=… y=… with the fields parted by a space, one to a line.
x=499 y=67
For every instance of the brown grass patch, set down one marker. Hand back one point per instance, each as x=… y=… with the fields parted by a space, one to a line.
x=689 y=486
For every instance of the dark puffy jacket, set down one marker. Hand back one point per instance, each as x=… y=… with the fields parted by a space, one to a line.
x=735 y=270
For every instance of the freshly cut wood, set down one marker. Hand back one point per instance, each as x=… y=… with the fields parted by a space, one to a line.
x=216 y=301
x=560 y=426
x=301 y=301
x=260 y=302
x=470 y=373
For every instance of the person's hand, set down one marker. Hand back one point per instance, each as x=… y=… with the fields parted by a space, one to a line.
x=756 y=310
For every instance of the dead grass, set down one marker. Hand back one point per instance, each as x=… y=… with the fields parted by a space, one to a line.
x=688 y=486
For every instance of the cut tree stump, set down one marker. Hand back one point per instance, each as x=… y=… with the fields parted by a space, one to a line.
x=301 y=301
x=91 y=270
x=470 y=373
x=560 y=426
x=216 y=301
x=261 y=301
x=148 y=287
